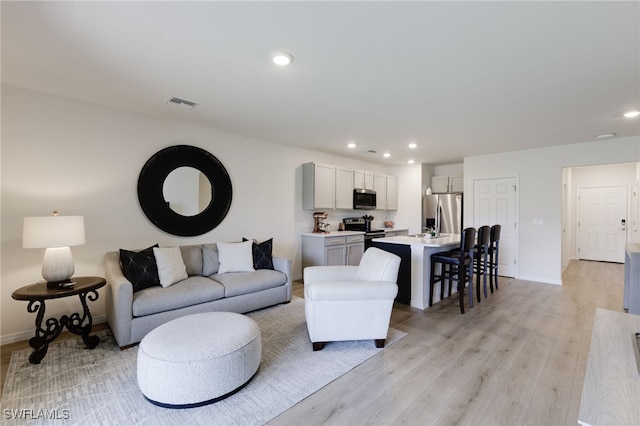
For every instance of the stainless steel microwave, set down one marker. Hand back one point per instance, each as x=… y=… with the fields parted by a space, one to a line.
x=364 y=199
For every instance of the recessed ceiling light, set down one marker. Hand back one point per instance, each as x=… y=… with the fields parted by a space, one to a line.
x=413 y=145
x=351 y=145
x=282 y=58
x=605 y=135
x=411 y=161
x=632 y=114
x=386 y=155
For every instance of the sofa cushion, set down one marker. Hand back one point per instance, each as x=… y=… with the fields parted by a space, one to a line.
x=171 y=267
x=238 y=283
x=192 y=291
x=140 y=268
x=235 y=257
x=210 y=259
x=192 y=257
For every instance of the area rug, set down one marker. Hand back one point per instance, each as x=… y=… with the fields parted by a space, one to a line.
x=77 y=386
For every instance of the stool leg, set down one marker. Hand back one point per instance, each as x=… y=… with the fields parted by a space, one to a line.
x=496 y=264
x=432 y=282
x=477 y=262
x=461 y=287
x=470 y=282
x=484 y=271
x=491 y=267
x=443 y=274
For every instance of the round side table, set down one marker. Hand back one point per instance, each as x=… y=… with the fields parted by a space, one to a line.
x=80 y=324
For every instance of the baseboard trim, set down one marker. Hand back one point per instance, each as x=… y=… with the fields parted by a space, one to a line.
x=28 y=334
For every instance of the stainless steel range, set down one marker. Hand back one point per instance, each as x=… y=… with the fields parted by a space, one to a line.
x=363 y=224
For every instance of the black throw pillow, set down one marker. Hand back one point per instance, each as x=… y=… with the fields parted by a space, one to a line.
x=140 y=268
x=262 y=254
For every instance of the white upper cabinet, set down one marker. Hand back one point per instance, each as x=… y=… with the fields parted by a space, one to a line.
x=331 y=187
x=386 y=188
x=380 y=186
x=318 y=186
x=344 y=188
x=440 y=184
x=392 y=193
x=362 y=179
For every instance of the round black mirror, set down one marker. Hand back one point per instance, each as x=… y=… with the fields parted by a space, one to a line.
x=158 y=209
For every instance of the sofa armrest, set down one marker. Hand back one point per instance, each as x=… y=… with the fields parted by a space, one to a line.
x=283 y=265
x=119 y=300
x=313 y=274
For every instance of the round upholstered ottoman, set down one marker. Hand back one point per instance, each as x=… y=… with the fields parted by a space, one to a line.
x=198 y=359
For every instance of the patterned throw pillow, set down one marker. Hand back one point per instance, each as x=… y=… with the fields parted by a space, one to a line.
x=262 y=254
x=140 y=268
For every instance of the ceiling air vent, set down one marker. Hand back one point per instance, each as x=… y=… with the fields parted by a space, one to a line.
x=181 y=103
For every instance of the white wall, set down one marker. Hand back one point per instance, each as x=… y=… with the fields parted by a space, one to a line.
x=84 y=159
x=540 y=194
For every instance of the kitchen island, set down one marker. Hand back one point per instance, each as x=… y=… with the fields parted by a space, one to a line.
x=415 y=267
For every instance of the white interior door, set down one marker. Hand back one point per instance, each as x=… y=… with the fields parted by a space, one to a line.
x=602 y=221
x=495 y=203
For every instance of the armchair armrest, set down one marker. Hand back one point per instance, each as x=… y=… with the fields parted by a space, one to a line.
x=351 y=290
x=312 y=274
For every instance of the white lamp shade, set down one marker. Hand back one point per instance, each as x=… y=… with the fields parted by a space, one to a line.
x=53 y=231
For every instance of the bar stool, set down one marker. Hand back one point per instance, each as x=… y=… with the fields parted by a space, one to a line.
x=456 y=265
x=480 y=257
x=494 y=250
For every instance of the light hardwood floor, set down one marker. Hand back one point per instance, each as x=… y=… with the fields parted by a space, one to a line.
x=516 y=358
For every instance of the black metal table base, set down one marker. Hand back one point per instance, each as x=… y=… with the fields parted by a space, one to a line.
x=75 y=323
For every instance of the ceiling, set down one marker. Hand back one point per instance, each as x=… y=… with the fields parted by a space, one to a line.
x=457 y=78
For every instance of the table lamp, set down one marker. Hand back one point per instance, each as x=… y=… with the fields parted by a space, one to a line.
x=55 y=234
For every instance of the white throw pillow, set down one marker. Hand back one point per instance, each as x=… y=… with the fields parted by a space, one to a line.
x=171 y=268
x=235 y=257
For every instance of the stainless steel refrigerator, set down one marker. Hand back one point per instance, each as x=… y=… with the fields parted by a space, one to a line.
x=442 y=211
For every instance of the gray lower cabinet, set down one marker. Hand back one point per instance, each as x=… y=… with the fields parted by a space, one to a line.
x=331 y=249
x=355 y=249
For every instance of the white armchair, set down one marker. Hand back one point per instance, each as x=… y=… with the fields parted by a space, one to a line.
x=351 y=302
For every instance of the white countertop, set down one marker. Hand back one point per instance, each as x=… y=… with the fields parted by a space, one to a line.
x=332 y=234
x=445 y=240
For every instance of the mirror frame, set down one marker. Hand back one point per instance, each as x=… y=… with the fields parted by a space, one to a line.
x=155 y=207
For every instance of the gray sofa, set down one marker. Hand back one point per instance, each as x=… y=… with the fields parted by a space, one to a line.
x=132 y=315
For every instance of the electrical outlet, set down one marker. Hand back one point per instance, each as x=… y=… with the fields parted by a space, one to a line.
x=538 y=222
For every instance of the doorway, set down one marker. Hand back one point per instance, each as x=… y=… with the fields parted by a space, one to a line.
x=579 y=178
